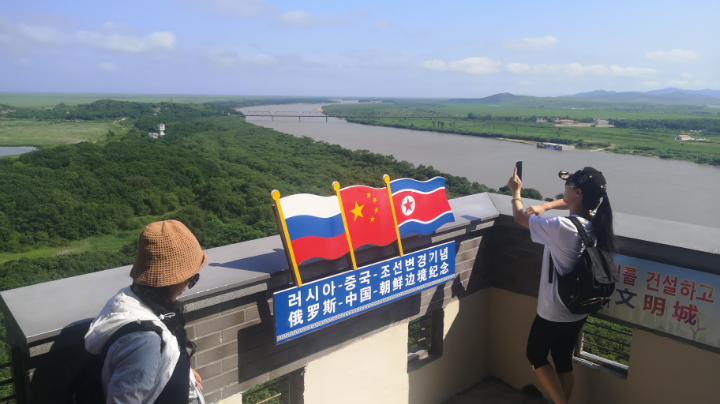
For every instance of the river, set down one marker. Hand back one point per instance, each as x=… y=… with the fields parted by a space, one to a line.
x=666 y=189
x=12 y=150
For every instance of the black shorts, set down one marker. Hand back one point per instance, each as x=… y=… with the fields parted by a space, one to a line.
x=552 y=337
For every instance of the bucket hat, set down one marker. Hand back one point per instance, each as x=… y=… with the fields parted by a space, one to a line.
x=168 y=253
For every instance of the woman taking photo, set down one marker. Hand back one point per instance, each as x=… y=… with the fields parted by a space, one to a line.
x=151 y=365
x=555 y=329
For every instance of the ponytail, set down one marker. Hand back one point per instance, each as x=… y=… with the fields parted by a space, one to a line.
x=602 y=221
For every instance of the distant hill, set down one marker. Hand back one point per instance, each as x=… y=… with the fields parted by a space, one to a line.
x=666 y=95
x=501 y=98
x=706 y=92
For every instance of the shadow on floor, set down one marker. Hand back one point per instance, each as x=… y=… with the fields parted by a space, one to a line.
x=493 y=391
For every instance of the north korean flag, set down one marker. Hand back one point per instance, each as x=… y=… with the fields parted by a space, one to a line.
x=369 y=215
x=420 y=207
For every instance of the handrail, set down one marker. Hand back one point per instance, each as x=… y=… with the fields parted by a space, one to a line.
x=605 y=348
x=608 y=328
x=609 y=339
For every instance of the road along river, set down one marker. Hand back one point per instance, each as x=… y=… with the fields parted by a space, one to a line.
x=665 y=189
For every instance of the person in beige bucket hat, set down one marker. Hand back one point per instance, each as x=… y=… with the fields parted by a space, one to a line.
x=141 y=330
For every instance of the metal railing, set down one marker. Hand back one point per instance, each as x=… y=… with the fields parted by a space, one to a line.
x=419 y=334
x=5 y=382
x=271 y=392
x=605 y=343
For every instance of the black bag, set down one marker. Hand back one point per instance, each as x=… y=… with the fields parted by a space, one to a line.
x=87 y=387
x=592 y=281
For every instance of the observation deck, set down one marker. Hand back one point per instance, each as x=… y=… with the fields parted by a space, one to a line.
x=473 y=327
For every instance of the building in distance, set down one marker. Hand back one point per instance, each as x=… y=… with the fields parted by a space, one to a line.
x=160 y=132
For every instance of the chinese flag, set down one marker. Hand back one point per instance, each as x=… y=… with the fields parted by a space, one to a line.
x=369 y=215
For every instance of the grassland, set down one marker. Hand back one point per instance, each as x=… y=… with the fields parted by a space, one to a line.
x=462 y=110
x=49 y=100
x=47 y=133
x=109 y=243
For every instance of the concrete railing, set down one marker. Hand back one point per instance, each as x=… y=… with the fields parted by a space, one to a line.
x=487 y=310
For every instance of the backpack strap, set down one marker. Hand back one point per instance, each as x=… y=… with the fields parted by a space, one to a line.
x=587 y=242
x=129 y=328
x=551 y=269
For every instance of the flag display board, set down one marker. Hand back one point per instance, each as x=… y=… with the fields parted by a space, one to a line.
x=307 y=308
x=667 y=298
x=330 y=227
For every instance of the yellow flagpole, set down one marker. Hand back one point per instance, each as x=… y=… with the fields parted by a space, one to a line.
x=386 y=178
x=336 y=187
x=275 y=194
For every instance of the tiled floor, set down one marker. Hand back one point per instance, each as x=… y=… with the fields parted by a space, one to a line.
x=493 y=391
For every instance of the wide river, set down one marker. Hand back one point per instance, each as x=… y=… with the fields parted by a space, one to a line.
x=665 y=189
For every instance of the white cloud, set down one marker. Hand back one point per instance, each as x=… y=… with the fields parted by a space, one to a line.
x=232 y=59
x=109 y=67
x=677 y=83
x=233 y=8
x=687 y=75
x=650 y=83
x=21 y=36
x=518 y=68
x=576 y=69
x=157 y=41
x=23 y=62
x=528 y=43
x=675 y=56
x=474 y=65
x=305 y=19
x=382 y=24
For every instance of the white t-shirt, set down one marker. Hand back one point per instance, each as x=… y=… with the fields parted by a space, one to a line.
x=561 y=239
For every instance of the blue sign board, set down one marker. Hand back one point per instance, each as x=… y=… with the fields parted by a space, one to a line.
x=304 y=309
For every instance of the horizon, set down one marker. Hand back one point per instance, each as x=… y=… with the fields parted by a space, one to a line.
x=368 y=49
x=341 y=97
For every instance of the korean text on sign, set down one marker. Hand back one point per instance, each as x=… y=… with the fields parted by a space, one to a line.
x=303 y=309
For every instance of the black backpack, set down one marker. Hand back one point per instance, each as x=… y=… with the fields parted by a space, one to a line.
x=592 y=281
x=87 y=387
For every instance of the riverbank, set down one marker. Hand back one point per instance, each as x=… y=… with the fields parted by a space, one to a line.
x=632 y=146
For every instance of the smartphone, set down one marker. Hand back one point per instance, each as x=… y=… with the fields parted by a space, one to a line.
x=518 y=165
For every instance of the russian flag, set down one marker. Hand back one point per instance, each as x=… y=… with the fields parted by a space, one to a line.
x=420 y=207
x=315 y=226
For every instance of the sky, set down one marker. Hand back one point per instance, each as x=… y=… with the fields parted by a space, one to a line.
x=352 y=48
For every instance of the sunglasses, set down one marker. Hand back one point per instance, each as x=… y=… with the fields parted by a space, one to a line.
x=572 y=186
x=193 y=280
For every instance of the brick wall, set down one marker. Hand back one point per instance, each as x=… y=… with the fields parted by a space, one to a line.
x=236 y=347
